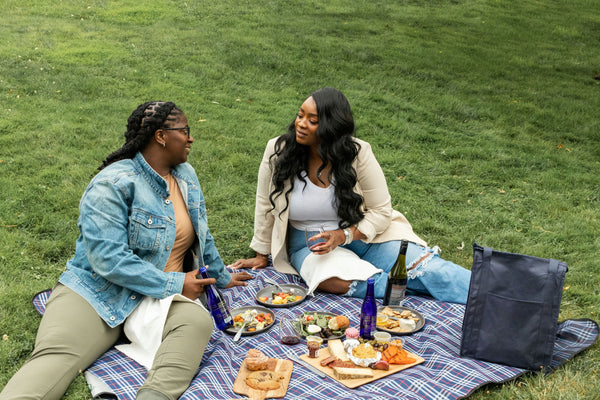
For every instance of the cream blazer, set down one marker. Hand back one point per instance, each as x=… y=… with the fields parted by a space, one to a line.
x=381 y=223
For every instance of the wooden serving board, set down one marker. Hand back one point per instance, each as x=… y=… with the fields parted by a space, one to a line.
x=284 y=367
x=353 y=383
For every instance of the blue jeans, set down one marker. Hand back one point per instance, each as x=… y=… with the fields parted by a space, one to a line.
x=433 y=276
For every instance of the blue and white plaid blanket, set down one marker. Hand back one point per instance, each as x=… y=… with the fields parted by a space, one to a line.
x=443 y=375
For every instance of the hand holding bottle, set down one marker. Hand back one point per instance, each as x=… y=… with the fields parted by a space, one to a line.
x=194 y=287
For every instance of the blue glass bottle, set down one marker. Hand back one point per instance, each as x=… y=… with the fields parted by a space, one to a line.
x=216 y=304
x=368 y=312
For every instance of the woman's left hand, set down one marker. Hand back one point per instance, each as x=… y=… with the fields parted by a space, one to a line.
x=238 y=279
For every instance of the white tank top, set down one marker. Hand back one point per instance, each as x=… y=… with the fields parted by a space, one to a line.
x=312 y=206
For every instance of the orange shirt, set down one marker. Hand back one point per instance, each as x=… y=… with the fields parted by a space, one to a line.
x=185 y=235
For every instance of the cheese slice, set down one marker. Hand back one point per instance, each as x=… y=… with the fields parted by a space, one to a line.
x=407 y=324
x=352 y=373
x=336 y=348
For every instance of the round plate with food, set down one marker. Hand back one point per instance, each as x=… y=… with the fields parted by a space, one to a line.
x=262 y=320
x=399 y=320
x=271 y=296
x=324 y=324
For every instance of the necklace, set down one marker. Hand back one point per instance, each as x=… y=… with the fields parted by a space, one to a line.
x=169 y=178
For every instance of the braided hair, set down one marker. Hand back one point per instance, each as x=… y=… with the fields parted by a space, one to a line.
x=335 y=133
x=143 y=122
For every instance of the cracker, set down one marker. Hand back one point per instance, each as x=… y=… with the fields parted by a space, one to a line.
x=392 y=323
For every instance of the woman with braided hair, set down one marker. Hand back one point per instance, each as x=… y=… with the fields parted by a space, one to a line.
x=143 y=234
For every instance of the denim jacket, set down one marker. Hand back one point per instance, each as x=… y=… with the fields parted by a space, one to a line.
x=127 y=230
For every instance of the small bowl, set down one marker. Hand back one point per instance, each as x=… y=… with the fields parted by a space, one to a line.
x=382 y=320
x=382 y=337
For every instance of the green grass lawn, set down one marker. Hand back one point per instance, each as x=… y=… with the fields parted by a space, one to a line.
x=483 y=115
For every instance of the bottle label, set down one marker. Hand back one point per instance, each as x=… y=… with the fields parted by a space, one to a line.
x=395 y=291
x=367 y=321
x=367 y=326
x=397 y=294
x=222 y=310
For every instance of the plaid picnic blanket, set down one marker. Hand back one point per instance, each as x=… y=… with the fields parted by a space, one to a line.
x=443 y=375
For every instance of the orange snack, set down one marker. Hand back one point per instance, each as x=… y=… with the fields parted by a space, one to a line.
x=396 y=355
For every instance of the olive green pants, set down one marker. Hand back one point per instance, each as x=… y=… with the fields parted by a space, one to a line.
x=72 y=336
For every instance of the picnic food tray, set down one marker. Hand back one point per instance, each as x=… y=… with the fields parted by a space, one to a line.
x=396 y=331
x=353 y=383
x=284 y=367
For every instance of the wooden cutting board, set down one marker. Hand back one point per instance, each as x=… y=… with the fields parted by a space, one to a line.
x=353 y=383
x=284 y=367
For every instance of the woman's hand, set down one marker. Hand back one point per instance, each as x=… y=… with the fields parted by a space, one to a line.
x=332 y=239
x=193 y=287
x=238 y=279
x=257 y=262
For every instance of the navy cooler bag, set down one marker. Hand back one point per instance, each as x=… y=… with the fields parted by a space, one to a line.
x=511 y=316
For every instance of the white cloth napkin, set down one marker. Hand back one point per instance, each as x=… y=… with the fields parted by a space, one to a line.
x=144 y=328
x=98 y=388
x=340 y=262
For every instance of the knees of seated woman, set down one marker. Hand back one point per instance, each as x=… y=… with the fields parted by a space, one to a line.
x=184 y=316
x=188 y=326
x=335 y=285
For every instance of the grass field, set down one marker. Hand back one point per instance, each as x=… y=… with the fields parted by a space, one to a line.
x=482 y=113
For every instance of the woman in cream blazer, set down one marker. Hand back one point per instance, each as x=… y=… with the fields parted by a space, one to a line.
x=375 y=236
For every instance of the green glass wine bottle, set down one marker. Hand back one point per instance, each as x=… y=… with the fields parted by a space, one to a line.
x=395 y=289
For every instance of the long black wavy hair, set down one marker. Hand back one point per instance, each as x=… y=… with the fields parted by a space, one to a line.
x=336 y=146
x=143 y=122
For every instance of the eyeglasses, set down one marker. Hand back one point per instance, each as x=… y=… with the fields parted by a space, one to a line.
x=186 y=129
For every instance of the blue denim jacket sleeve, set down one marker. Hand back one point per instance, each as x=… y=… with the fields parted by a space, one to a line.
x=104 y=220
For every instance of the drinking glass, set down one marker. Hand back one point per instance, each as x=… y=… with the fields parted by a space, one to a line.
x=287 y=333
x=312 y=243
